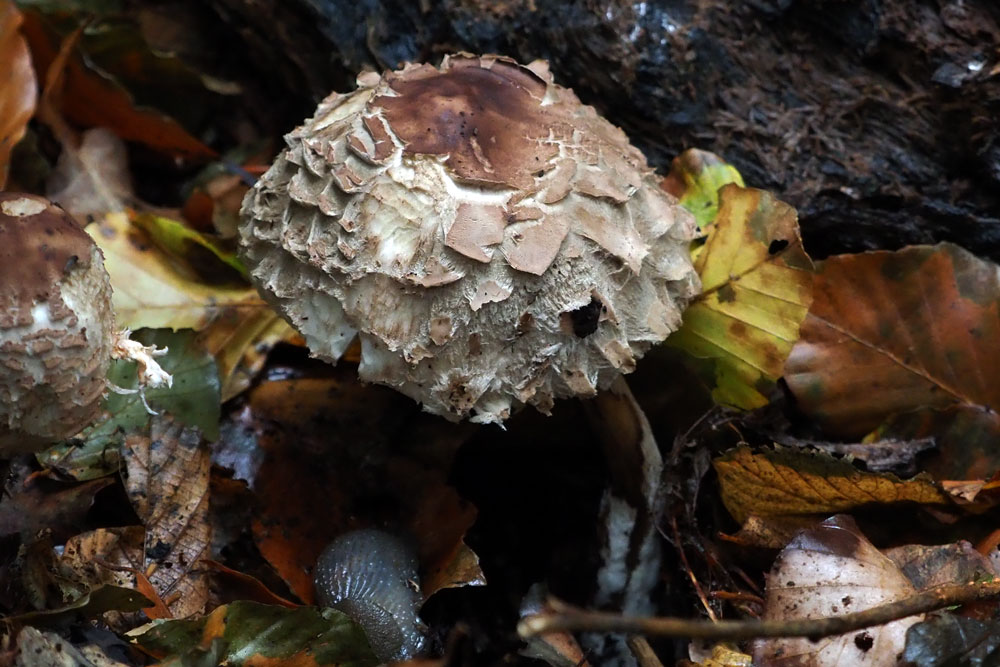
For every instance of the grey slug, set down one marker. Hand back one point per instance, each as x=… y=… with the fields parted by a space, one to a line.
x=371 y=576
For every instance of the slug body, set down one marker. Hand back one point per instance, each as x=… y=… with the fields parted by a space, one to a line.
x=371 y=576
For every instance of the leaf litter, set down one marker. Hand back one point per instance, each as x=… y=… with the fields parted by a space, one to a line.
x=876 y=362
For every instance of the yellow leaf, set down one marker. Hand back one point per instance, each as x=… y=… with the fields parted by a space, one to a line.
x=789 y=482
x=150 y=291
x=756 y=282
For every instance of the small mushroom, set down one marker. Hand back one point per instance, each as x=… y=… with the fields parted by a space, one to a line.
x=492 y=241
x=56 y=324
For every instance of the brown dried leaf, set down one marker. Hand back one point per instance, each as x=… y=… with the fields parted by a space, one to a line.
x=830 y=570
x=33 y=504
x=18 y=89
x=168 y=474
x=88 y=99
x=788 y=482
x=890 y=332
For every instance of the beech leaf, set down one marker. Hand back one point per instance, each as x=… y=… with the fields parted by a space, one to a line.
x=782 y=482
x=827 y=571
x=18 y=89
x=756 y=291
x=891 y=332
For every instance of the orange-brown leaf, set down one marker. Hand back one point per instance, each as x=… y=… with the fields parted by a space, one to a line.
x=18 y=89
x=890 y=332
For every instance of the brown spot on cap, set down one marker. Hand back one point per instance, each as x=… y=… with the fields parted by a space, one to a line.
x=486 y=114
x=39 y=245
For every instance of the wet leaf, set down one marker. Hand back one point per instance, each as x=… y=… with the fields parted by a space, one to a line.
x=149 y=291
x=240 y=339
x=966 y=439
x=890 y=332
x=167 y=482
x=929 y=566
x=695 y=178
x=88 y=99
x=247 y=633
x=368 y=457
x=193 y=400
x=18 y=89
x=830 y=570
x=48 y=649
x=756 y=291
x=92 y=604
x=788 y=482
x=947 y=639
x=30 y=506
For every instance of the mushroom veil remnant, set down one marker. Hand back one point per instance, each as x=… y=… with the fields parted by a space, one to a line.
x=491 y=240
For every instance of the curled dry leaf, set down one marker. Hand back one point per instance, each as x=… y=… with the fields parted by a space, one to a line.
x=18 y=89
x=831 y=570
x=782 y=482
x=167 y=482
x=756 y=291
x=891 y=332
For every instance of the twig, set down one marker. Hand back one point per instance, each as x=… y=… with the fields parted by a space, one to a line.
x=579 y=620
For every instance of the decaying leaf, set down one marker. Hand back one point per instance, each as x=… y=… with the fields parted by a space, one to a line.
x=193 y=399
x=890 y=332
x=831 y=570
x=30 y=506
x=167 y=482
x=18 y=89
x=756 y=291
x=247 y=633
x=48 y=649
x=149 y=291
x=788 y=482
x=357 y=452
x=92 y=179
x=89 y=99
x=695 y=178
x=949 y=639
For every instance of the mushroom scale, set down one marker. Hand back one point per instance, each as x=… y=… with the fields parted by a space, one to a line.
x=492 y=241
x=56 y=324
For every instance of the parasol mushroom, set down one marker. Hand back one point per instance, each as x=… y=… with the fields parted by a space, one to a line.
x=491 y=240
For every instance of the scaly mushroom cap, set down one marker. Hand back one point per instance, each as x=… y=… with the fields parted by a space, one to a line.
x=55 y=324
x=494 y=241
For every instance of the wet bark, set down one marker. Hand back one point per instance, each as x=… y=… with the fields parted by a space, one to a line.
x=876 y=119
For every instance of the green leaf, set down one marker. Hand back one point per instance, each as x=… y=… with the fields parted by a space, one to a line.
x=251 y=633
x=202 y=253
x=193 y=400
x=695 y=178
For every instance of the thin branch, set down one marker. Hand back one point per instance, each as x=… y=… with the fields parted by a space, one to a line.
x=580 y=620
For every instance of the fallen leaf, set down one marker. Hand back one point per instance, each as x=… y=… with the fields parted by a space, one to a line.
x=890 y=332
x=203 y=254
x=240 y=339
x=831 y=570
x=695 y=178
x=192 y=399
x=367 y=457
x=30 y=505
x=247 y=633
x=92 y=179
x=167 y=482
x=930 y=566
x=788 y=482
x=48 y=649
x=148 y=289
x=947 y=639
x=755 y=293
x=965 y=437
x=89 y=99
x=18 y=88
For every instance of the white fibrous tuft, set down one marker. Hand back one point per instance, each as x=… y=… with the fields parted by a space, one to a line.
x=492 y=241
